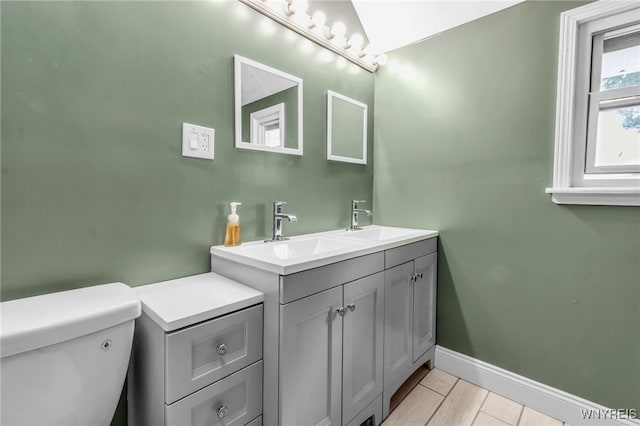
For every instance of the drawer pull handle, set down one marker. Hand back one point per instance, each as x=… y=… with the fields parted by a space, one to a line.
x=340 y=311
x=351 y=306
x=420 y=275
x=222 y=412
x=222 y=350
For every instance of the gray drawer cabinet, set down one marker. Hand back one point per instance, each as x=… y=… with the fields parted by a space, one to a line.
x=209 y=372
x=327 y=363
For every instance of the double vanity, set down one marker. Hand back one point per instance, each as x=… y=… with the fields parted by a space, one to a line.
x=348 y=317
x=340 y=319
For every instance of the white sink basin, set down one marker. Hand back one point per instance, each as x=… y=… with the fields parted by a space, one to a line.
x=314 y=250
x=379 y=233
x=295 y=248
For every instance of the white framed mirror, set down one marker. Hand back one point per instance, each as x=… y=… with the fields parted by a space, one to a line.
x=268 y=108
x=346 y=129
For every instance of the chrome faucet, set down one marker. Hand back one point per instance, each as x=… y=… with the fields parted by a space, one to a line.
x=354 y=214
x=277 y=221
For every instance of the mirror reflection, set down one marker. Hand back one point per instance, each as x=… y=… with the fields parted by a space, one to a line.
x=268 y=108
x=346 y=129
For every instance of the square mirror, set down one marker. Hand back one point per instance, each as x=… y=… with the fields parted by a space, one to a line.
x=268 y=108
x=346 y=129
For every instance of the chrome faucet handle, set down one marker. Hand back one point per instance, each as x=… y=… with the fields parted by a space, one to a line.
x=279 y=203
x=354 y=214
x=354 y=203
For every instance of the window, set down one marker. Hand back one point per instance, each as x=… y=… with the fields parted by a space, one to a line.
x=267 y=126
x=597 y=153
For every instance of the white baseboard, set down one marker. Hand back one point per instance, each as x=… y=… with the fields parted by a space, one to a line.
x=550 y=401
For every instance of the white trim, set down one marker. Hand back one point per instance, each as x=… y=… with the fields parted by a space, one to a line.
x=330 y=95
x=237 y=78
x=595 y=196
x=546 y=399
x=259 y=119
x=566 y=91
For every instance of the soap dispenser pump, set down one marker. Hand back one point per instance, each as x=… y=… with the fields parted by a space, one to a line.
x=232 y=237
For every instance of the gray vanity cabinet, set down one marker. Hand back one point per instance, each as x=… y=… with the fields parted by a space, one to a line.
x=331 y=353
x=398 y=307
x=340 y=339
x=311 y=360
x=409 y=310
x=410 y=291
x=424 y=304
x=363 y=334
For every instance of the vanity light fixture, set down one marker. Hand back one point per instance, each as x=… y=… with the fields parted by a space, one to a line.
x=355 y=42
x=293 y=15
x=318 y=19
x=338 y=30
x=295 y=6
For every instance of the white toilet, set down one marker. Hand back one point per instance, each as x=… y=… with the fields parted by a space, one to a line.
x=64 y=356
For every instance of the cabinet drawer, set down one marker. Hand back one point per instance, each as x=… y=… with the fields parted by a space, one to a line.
x=305 y=283
x=200 y=355
x=235 y=400
x=402 y=254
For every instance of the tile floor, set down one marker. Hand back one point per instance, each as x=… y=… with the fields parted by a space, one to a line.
x=440 y=399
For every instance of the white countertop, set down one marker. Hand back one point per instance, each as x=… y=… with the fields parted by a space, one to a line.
x=185 y=301
x=274 y=256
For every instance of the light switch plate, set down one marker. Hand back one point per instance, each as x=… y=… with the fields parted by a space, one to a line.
x=197 y=141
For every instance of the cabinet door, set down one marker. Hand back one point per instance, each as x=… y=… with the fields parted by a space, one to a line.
x=362 y=344
x=311 y=360
x=424 y=304
x=398 y=322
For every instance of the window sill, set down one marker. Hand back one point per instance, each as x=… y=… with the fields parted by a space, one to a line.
x=596 y=196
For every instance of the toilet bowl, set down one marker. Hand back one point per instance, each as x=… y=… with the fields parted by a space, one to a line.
x=64 y=356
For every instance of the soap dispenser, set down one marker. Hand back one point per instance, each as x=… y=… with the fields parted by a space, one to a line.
x=232 y=237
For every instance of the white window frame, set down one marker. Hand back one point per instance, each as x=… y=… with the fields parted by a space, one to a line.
x=571 y=185
x=261 y=119
x=609 y=98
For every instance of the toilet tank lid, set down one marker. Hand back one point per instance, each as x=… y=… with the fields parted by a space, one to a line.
x=35 y=322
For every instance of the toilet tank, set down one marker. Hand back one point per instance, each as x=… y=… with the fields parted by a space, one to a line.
x=64 y=356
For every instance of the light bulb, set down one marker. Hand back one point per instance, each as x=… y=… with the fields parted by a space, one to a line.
x=338 y=29
x=355 y=41
x=301 y=6
x=296 y=6
x=318 y=19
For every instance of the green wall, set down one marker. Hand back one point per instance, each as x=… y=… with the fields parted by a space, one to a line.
x=94 y=187
x=464 y=127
